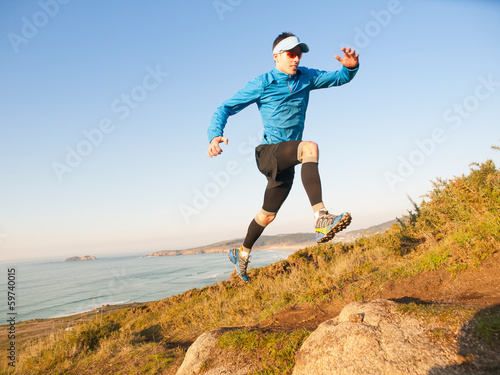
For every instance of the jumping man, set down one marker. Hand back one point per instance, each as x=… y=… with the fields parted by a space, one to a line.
x=282 y=96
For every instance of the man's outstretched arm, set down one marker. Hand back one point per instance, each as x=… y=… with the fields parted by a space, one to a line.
x=242 y=99
x=322 y=79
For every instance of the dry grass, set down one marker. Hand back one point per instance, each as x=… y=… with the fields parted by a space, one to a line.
x=455 y=228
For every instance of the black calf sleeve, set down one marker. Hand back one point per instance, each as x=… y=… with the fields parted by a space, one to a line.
x=253 y=234
x=312 y=182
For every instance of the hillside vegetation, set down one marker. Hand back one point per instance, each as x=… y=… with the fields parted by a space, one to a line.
x=454 y=229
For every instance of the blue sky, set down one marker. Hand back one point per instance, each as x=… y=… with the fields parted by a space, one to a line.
x=104 y=109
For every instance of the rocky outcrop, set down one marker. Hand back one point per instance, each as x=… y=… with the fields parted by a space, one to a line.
x=369 y=338
x=198 y=353
x=372 y=338
x=76 y=259
x=201 y=352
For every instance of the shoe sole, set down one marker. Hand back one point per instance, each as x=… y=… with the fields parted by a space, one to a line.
x=341 y=225
x=229 y=256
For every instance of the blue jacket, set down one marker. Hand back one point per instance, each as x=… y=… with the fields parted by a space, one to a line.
x=282 y=101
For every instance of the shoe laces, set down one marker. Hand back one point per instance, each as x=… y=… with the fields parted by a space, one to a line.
x=244 y=261
x=324 y=220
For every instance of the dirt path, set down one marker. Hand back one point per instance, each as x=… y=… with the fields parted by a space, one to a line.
x=478 y=287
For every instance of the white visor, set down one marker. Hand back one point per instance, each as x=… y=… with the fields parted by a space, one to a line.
x=290 y=43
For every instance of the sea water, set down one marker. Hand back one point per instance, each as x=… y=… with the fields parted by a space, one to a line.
x=54 y=288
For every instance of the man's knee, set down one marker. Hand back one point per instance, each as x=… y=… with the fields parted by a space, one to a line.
x=265 y=218
x=309 y=150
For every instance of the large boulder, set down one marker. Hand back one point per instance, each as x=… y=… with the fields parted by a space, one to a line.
x=199 y=353
x=372 y=338
x=203 y=351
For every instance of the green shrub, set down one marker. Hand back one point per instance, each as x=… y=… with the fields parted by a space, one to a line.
x=274 y=352
x=88 y=336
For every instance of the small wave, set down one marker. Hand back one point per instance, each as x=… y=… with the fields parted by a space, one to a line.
x=90 y=308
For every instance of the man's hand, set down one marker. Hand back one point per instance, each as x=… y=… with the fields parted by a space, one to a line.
x=350 y=59
x=213 y=148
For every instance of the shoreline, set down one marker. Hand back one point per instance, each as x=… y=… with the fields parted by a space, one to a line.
x=34 y=329
x=38 y=328
x=168 y=253
x=129 y=299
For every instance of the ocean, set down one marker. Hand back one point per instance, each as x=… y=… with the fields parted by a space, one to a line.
x=52 y=288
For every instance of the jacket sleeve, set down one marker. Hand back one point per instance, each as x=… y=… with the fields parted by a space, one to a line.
x=242 y=99
x=321 y=79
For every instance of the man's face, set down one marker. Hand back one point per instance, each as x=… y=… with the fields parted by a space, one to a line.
x=288 y=61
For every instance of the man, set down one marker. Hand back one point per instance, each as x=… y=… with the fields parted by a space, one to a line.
x=282 y=96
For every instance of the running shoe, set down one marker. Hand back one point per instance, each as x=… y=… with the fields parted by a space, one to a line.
x=327 y=225
x=239 y=262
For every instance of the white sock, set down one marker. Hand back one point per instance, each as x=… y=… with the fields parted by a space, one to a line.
x=319 y=213
x=244 y=253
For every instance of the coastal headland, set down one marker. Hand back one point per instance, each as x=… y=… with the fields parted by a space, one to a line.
x=293 y=241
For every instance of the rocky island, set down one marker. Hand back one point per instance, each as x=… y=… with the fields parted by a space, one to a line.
x=75 y=259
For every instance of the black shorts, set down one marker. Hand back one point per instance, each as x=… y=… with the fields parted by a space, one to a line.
x=277 y=162
x=267 y=162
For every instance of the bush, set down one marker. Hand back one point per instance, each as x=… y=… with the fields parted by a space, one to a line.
x=88 y=336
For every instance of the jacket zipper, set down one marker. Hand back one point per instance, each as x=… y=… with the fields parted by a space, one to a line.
x=287 y=77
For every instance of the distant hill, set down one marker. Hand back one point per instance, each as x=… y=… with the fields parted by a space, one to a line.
x=355 y=234
x=281 y=241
